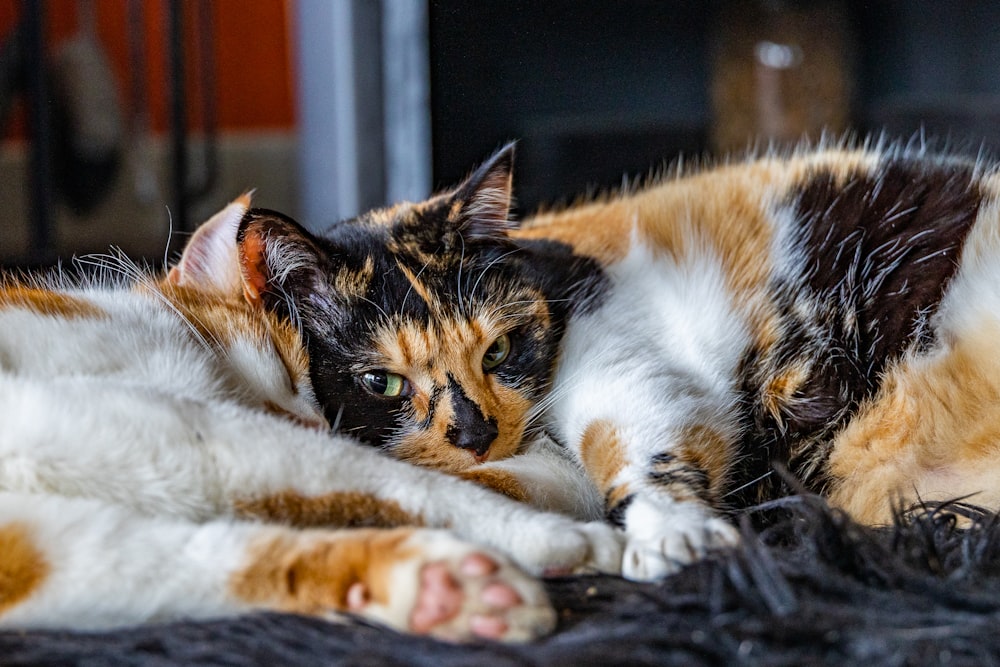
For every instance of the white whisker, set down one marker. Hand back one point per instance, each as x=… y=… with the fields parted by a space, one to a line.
x=410 y=288
x=461 y=262
x=490 y=266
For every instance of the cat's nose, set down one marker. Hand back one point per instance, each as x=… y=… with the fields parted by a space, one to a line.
x=470 y=428
x=477 y=437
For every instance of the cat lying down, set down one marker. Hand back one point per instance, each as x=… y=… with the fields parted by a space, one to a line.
x=648 y=358
x=162 y=455
x=833 y=310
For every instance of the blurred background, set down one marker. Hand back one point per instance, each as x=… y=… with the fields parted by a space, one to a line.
x=126 y=122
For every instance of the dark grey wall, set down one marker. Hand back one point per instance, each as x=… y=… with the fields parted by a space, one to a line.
x=598 y=88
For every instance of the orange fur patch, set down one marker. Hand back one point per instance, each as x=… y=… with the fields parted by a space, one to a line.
x=349 y=282
x=306 y=574
x=338 y=509
x=22 y=566
x=616 y=495
x=500 y=481
x=602 y=454
x=45 y=302
x=253 y=262
x=707 y=449
x=778 y=392
x=933 y=433
x=418 y=287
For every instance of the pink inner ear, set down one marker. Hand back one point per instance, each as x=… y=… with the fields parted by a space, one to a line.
x=253 y=265
x=209 y=260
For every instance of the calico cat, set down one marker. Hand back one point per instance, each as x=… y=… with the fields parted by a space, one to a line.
x=832 y=312
x=162 y=455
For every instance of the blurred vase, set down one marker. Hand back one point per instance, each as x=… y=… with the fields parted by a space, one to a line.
x=780 y=72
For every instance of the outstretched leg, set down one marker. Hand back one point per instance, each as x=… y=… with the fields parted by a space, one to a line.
x=84 y=564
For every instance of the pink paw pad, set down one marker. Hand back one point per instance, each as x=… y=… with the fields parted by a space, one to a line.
x=443 y=596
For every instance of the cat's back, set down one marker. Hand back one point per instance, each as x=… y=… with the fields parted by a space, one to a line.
x=742 y=207
x=113 y=330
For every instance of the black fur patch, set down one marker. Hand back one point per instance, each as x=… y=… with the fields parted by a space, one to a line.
x=878 y=253
x=615 y=513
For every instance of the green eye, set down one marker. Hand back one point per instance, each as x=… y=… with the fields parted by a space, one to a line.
x=384 y=383
x=497 y=353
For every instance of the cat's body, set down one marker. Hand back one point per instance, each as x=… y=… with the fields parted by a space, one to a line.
x=832 y=311
x=162 y=456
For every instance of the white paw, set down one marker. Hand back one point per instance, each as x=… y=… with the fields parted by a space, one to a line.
x=452 y=590
x=662 y=540
x=607 y=545
x=552 y=544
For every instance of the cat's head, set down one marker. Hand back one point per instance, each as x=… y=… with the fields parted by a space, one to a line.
x=430 y=332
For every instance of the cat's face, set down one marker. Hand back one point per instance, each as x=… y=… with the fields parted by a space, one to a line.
x=430 y=333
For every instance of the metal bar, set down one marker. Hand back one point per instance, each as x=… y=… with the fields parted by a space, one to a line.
x=178 y=117
x=40 y=181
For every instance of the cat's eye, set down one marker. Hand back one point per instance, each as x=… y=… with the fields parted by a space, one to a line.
x=497 y=352
x=384 y=383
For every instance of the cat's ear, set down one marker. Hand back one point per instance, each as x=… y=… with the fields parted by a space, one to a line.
x=278 y=259
x=209 y=260
x=484 y=199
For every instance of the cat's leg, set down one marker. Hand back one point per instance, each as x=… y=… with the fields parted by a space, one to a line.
x=164 y=454
x=663 y=498
x=84 y=564
x=644 y=396
x=339 y=482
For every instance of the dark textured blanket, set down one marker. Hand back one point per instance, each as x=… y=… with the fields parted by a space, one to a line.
x=806 y=587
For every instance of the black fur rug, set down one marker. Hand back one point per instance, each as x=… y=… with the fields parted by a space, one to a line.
x=806 y=587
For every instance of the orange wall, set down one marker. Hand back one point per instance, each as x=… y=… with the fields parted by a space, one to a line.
x=253 y=57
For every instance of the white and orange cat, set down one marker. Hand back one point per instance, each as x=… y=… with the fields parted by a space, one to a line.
x=163 y=456
x=832 y=311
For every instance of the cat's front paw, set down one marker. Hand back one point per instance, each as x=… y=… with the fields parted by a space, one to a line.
x=552 y=544
x=452 y=590
x=420 y=581
x=661 y=540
